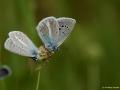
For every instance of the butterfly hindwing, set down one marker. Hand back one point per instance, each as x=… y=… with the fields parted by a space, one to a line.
x=65 y=27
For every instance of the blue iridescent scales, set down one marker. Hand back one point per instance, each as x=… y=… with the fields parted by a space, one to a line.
x=52 y=31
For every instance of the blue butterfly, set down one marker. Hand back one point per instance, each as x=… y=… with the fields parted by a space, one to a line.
x=52 y=31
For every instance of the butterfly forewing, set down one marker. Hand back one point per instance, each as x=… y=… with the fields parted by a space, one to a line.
x=9 y=45
x=65 y=27
x=53 y=29
x=48 y=30
x=43 y=32
x=20 y=44
x=21 y=40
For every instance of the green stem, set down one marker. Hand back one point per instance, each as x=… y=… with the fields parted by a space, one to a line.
x=38 y=80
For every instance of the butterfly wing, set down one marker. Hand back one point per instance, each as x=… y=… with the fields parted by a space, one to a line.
x=20 y=44
x=48 y=30
x=53 y=29
x=65 y=27
x=21 y=40
x=43 y=32
x=10 y=46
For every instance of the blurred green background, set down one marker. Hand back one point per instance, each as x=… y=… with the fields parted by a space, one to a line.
x=88 y=60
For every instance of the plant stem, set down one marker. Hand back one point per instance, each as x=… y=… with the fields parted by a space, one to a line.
x=38 y=80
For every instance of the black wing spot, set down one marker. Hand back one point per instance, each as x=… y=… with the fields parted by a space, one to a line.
x=59 y=28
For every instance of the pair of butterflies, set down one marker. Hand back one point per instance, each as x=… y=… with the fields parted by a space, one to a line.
x=52 y=31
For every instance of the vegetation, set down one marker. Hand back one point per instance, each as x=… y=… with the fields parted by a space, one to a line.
x=88 y=60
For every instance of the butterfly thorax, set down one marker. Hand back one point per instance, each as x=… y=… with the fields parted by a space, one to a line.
x=44 y=53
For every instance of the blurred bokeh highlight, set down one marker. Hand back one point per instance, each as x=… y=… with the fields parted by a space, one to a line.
x=88 y=60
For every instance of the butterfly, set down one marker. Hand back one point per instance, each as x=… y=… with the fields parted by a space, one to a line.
x=52 y=31
x=4 y=71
